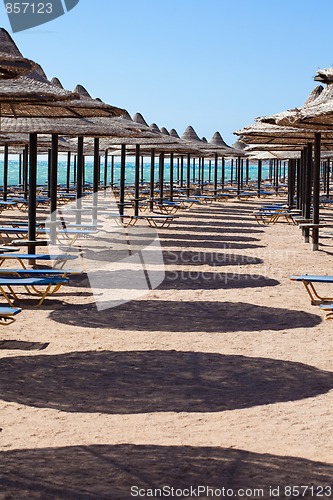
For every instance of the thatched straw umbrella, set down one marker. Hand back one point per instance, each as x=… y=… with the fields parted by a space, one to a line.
x=138 y=118
x=174 y=133
x=154 y=127
x=12 y=63
x=314 y=121
x=27 y=102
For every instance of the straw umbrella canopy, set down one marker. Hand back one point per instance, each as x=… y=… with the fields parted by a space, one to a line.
x=31 y=104
x=12 y=63
x=154 y=127
x=317 y=111
x=269 y=134
x=173 y=132
x=138 y=118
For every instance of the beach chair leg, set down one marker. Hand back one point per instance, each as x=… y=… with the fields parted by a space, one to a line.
x=313 y=294
x=6 y=320
x=22 y=263
x=329 y=315
x=44 y=296
x=10 y=302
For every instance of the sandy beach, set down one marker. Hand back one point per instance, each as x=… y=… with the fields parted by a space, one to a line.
x=222 y=376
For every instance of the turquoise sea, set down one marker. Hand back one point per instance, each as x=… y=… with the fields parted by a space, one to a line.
x=13 y=171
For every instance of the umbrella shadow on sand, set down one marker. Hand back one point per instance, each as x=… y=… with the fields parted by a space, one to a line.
x=109 y=472
x=183 y=316
x=156 y=381
x=22 y=345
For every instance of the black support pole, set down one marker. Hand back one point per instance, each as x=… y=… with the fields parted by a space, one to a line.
x=79 y=179
x=137 y=180
x=307 y=190
x=96 y=179
x=316 y=191
x=122 y=180
x=215 y=173
x=259 y=177
x=32 y=191
x=112 y=171
x=328 y=173
x=152 y=180
x=25 y=171
x=5 y=172
x=53 y=173
x=53 y=186
x=188 y=178
x=291 y=182
x=238 y=168
x=181 y=171
x=20 y=170
x=161 y=177
x=105 y=169
x=171 y=176
x=68 y=174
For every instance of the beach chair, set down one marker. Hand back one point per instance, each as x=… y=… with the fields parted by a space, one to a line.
x=245 y=195
x=7 y=314
x=50 y=285
x=154 y=220
x=206 y=199
x=327 y=307
x=308 y=281
x=271 y=214
x=157 y=221
x=29 y=273
x=60 y=260
x=167 y=206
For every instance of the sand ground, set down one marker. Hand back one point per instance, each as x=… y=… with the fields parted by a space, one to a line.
x=222 y=376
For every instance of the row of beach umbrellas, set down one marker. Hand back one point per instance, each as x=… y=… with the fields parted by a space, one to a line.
x=33 y=108
x=305 y=136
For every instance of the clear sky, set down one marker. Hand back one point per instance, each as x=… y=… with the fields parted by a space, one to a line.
x=212 y=64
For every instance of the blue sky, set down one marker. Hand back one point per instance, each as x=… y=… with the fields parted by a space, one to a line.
x=213 y=64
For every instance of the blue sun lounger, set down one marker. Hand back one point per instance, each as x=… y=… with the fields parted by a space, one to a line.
x=308 y=281
x=34 y=273
x=21 y=257
x=7 y=314
x=50 y=284
x=327 y=307
x=22 y=232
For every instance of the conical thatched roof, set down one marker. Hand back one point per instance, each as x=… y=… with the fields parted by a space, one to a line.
x=239 y=144
x=190 y=135
x=174 y=133
x=314 y=95
x=56 y=82
x=316 y=113
x=164 y=131
x=203 y=139
x=12 y=63
x=33 y=95
x=82 y=91
x=206 y=148
x=217 y=140
x=154 y=127
x=138 y=118
x=126 y=116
